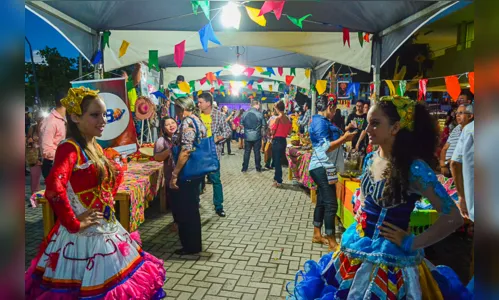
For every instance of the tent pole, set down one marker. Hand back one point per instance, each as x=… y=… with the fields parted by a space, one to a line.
x=377 y=65
x=314 y=95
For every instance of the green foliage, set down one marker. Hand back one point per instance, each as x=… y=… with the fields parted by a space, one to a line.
x=53 y=75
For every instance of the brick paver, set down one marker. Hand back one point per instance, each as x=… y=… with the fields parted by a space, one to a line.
x=250 y=254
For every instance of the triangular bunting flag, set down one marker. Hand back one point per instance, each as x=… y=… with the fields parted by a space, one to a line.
x=220 y=82
x=453 y=87
x=260 y=88
x=307 y=73
x=249 y=71
x=200 y=92
x=266 y=73
x=471 y=80
x=280 y=70
x=217 y=73
x=192 y=84
x=270 y=87
x=222 y=88
x=254 y=15
x=179 y=53
x=346 y=36
x=320 y=86
x=361 y=39
x=260 y=80
x=206 y=34
x=391 y=87
x=153 y=60
x=259 y=69
x=212 y=90
x=292 y=71
x=184 y=87
x=401 y=89
x=422 y=89
x=210 y=77
x=105 y=38
x=275 y=6
x=223 y=93
x=289 y=79
x=270 y=70
x=97 y=57
x=254 y=94
x=205 y=6
x=298 y=22
x=123 y=48
x=159 y=94
x=202 y=81
x=366 y=38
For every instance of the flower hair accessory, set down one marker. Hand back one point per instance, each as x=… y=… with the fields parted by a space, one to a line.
x=72 y=102
x=331 y=100
x=405 y=108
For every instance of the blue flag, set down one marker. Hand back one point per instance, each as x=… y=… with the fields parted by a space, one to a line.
x=159 y=94
x=206 y=35
x=97 y=58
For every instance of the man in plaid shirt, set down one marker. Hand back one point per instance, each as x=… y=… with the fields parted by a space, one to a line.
x=216 y=126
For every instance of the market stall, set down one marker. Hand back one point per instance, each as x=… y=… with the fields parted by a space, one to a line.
x=142 y=182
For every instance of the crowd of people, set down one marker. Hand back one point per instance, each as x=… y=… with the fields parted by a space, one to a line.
x=402 y=152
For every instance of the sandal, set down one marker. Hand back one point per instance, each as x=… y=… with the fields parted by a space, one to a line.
x=333 y=249
x=322 y=240
x=276 y=184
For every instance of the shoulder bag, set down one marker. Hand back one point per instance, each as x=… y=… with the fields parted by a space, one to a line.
x=202 y=160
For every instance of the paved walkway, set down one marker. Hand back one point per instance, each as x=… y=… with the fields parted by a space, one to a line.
x=250 y=254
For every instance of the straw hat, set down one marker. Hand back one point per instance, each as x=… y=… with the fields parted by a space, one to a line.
x=144 y=108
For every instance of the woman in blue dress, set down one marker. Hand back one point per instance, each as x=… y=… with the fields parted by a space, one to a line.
x=379 y=258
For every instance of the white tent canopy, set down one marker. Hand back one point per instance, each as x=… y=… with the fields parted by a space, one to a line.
x=327 y=46
x=197 y=73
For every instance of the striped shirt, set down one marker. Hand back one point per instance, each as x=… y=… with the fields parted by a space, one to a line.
x=452 y=141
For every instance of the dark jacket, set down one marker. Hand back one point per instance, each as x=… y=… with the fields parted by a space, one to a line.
x=253 y=123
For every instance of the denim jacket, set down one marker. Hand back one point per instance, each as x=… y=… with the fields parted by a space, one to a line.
x=322 y=133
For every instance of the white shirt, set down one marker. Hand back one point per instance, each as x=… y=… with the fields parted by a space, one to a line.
x=452 y=141
x=464 y=154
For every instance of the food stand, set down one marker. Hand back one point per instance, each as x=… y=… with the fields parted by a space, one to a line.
x=142 y=182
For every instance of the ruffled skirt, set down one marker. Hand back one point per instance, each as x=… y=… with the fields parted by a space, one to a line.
x=98 y=266
x=374 y=269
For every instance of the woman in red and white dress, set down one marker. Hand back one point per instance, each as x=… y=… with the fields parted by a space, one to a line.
x=88 y=254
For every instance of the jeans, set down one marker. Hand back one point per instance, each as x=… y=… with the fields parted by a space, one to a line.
x=327 y=204
x=185 y=208
x=227 y=141
x=46 y=167
x=256 y=146
x=278 y=152
x=235 y=136
x=218 y=192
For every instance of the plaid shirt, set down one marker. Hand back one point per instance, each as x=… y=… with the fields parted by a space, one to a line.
x=219 y=127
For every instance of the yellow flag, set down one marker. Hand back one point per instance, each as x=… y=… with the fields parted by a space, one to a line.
x=391 y=87
x=123 y=48
x=320 y=86
x=270 y=87
x=200 y=92
x=254 y=94
x=231 y=82
x=184 y=87
x=307 y=73
x=223 y=93
x=244 y=83
x=264 y=98
x=259 y=69
x=253 y=15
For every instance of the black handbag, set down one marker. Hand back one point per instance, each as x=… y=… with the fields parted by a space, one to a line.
x=202 y=160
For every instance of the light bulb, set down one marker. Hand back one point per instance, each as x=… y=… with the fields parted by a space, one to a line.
x=237 y=69
x=231 y=15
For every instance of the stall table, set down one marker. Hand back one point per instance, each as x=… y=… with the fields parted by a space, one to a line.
x=298 y=162
x=142 y=182
x=345 y=189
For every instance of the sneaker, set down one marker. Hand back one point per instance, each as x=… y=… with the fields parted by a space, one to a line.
x=221 y=213
x=244 y=171
x=224 y=153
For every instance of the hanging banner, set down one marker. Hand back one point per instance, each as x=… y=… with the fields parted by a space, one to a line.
x=149 y=82
x=119 y=132
x=342 y=89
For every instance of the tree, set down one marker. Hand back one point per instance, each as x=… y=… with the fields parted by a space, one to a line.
x=54 y=74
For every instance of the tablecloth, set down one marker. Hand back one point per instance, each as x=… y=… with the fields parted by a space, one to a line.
x=142 y=181
x=298 y=162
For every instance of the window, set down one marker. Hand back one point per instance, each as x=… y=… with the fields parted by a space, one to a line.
x=470 y=34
